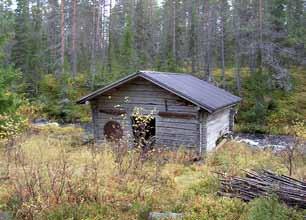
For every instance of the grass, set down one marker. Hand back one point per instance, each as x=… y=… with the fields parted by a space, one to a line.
x=51 y=175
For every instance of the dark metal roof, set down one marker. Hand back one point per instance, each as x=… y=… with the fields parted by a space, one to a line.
x=188 y=87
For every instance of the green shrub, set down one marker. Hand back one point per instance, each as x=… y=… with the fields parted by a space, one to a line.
x=142 y=209
x=58 y=96
x=9 y=99
x=215 y=208
x=209 y=184
x=12 y=121
x=271 y=209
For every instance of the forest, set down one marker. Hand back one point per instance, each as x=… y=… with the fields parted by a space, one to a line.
x=52 y=52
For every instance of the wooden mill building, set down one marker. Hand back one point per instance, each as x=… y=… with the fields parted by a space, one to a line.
x=186 y=110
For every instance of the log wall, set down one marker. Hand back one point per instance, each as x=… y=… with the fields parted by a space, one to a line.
x=170 y=131
x=199 y=132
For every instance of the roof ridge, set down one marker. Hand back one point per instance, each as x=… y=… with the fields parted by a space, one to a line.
x=160 y=72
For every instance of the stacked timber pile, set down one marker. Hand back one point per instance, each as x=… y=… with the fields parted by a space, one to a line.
x=264 y=183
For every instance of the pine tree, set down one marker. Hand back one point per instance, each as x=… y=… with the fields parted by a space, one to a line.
x=141 y=37
x=21 y=51
x=193 y=38
x=127 y=50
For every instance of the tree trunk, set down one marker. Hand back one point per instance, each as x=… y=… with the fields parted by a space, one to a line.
x=93 y=44
x=260 y=56
x=237 y=47
x=103 y=34
x=53 y=37
x=222 y=43
x=74 y=38
x=209 y=31
x=62 y=35
x=174 y=31
x=109 y=56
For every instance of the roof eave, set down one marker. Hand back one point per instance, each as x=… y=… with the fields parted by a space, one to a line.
x=96 y=93
x=226 y=106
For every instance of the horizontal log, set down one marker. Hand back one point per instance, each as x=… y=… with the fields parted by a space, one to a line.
x=178 y=126
x=178 y=120
x=149 y=106
x=177 y=115
x=112 y=111
x=177 y=131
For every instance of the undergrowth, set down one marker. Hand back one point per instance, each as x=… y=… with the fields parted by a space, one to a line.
x=49 y=174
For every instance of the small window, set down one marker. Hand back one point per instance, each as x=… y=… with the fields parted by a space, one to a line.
x=143 y=130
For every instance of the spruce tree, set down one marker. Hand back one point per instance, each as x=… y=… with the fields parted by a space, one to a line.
x=21 y=49
x=127 y=50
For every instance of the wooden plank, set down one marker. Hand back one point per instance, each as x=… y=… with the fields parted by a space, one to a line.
x=173 y=142
x=177 y=115
x=177 y=131
x=145 y=100
x=138 y=88
x=112 y=111
x=179 y=126
x=103 y=116
x=148 y=106
x=141 y=98
x=178 y=137
x=177 y=120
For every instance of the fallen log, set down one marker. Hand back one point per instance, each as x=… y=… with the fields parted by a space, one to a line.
x=255 y=184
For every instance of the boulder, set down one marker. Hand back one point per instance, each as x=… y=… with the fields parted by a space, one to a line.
x=5 y=216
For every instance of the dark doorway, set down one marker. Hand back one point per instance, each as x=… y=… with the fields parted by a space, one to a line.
x=144 y=132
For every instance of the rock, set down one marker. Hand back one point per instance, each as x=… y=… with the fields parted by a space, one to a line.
x=55 y=124
x=249 y=142
x=275 y=147
x=44 y=122
x=40 y=121
x=165 y=216
x=64 y=101
x=5 y=216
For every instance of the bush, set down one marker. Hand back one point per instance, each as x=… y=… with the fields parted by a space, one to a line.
x=16 y=122
x=233 y=157
x=58 y=96
x=11 y=125
x=271 y=209
x=12 y=118
x=215 y=208
x=208 y=185
x=9 y=99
